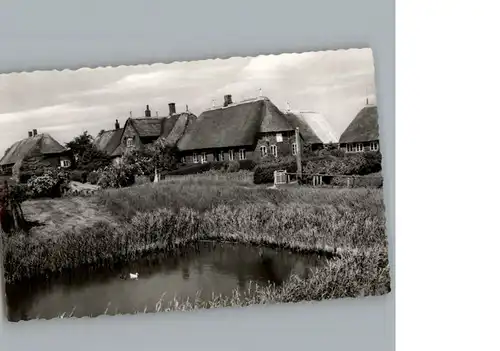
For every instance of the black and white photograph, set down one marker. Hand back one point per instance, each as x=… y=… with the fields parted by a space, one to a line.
x=191 y=185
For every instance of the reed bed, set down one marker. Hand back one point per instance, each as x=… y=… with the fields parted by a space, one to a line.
x=178 y=212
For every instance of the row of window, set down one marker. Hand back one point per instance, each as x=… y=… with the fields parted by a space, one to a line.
x=359 y=147
x=274 y=150
x=219 y=156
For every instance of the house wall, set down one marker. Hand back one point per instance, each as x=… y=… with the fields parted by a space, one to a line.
x=366 y=146
x=268 y=139
x=36 y=162
x=129 y=132
x=188 y=155
x=6 y=170
x=252 y=153
x=55 y=160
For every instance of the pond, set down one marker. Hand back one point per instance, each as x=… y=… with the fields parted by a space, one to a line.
x=202 y=269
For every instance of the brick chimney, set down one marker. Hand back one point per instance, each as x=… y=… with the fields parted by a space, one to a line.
x=117 y=125
x=227 y=100
x=171 y=108
x=30 y=134
x=147 y=112
x=35 y=132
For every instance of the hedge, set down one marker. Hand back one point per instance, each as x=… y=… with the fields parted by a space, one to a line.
x=228 y=166
x=78 y=176
x=347 y=164
x=264 y=173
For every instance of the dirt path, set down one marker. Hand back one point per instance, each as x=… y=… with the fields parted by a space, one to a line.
x=58 y=215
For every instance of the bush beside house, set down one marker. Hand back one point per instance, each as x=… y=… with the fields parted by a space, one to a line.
x=340 y=164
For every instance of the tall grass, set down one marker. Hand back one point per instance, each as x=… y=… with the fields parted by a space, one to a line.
x=202 y=194
x=180 y=211
x=242 y=177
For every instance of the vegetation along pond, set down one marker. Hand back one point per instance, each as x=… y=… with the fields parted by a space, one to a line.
x=201 y=270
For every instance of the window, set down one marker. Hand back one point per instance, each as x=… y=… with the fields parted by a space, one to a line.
x=279 y=137
x=130 y=142
x=231 y=155
x=195 y=158
x=242 y=154
x=274 y=150
x=219 y=156
x=294 y=149
x=65 y=163
x=183 y=159
x=374 y=146
x=203 y=158
x=355 y=147
x=263 y=151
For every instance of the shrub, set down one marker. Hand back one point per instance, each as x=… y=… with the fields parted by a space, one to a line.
x=232 y=166
x=24 y=177
x=264 y=173
x=354 y=164
x=116 y=176
x=50 y=184
x=246 y=165
x=93 y=177
x=79 y=176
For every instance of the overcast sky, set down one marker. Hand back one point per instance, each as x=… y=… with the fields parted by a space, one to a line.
x=66 y=103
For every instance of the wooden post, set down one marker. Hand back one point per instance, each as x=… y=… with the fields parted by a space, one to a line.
x=298 y=143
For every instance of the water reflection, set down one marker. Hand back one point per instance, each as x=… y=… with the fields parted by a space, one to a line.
x=208 y=267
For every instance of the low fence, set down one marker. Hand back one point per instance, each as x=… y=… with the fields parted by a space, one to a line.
x=328 y=180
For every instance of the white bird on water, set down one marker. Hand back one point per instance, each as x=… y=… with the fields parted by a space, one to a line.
x=134 y=276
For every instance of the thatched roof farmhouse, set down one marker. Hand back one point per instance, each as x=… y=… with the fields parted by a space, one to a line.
x=138 y=132
x=42 y=148
x=248 y=129
x=362 y=134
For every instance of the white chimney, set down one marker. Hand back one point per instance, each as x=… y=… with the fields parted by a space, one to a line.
x=260 y=92
x=288 y=107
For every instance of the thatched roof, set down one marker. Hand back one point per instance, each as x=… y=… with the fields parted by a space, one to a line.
x=235 y=125
x=41 y=144
x=108 y=140
x=147 y=126
x=364 y=127
x=172 y=128
x=175 y=127
x=296 y=120
x=314 y=127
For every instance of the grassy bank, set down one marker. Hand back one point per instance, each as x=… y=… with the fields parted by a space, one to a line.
x=182 y=210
